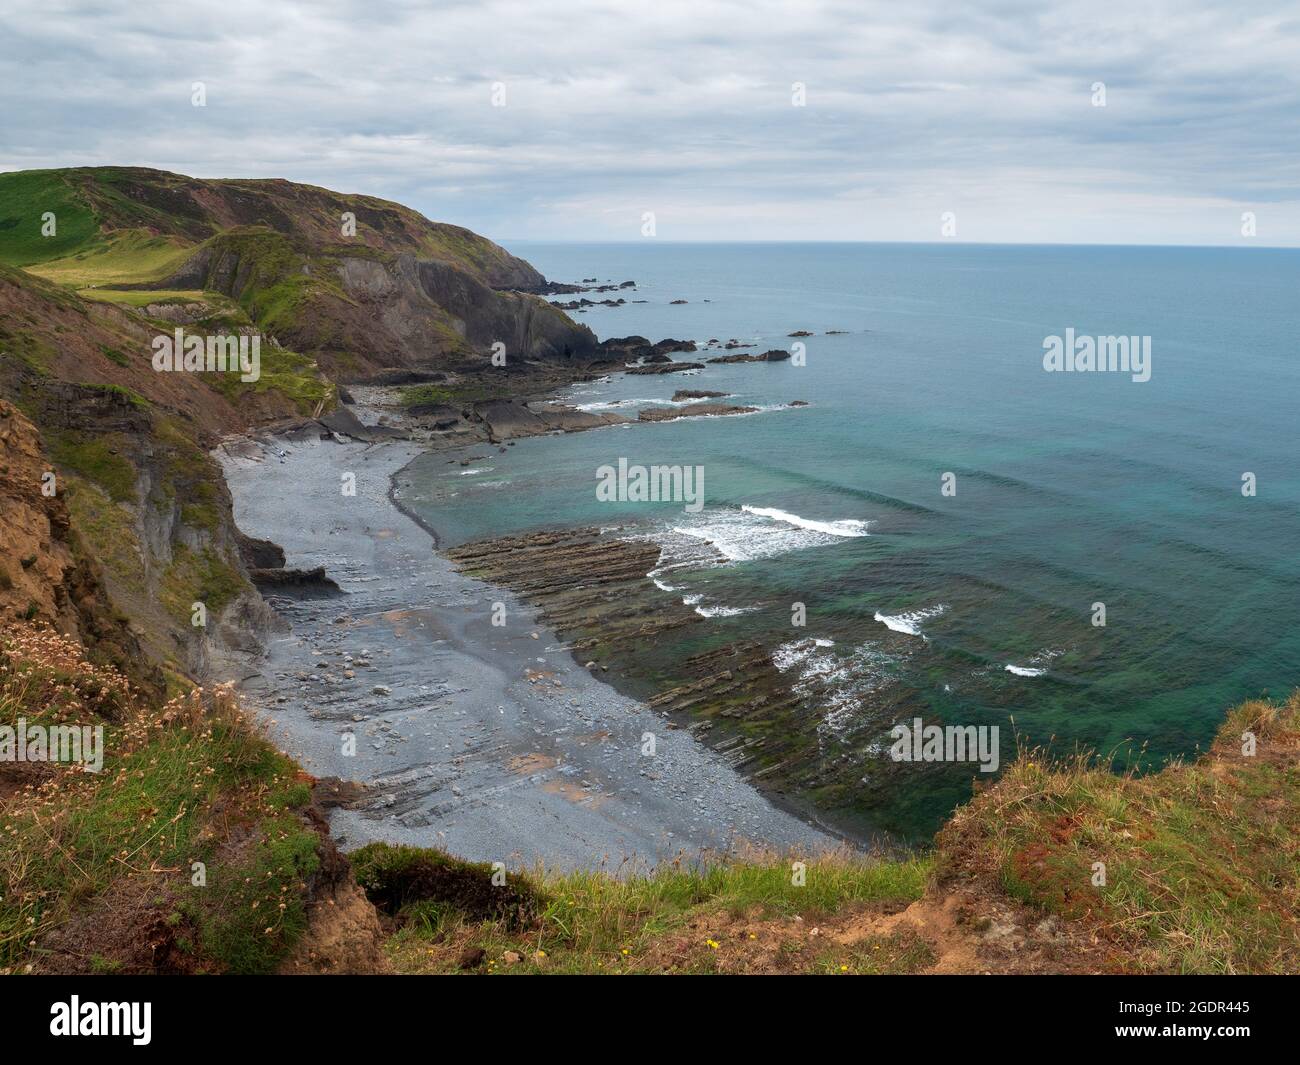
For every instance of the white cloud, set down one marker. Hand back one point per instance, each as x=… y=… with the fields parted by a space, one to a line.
x=684 y=107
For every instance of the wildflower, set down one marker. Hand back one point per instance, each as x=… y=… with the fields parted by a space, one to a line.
x=713 y=944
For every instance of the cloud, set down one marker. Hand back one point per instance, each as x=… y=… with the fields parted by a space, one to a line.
x=685 y=108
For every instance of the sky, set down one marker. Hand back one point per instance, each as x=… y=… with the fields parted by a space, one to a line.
x=917 y=121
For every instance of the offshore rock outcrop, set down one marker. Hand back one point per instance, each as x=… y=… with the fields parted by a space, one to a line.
x=694 y=410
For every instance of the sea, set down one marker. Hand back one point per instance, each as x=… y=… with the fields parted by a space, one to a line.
x=1088 y=560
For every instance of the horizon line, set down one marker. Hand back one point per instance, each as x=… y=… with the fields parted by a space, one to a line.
x=895 y=243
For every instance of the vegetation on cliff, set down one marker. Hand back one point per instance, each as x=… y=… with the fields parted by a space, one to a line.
x=189 y=851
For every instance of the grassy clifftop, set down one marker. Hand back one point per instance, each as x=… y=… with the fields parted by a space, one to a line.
x=135 y=224
x=354 y=282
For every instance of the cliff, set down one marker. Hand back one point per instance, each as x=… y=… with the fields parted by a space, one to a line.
x=355 y=282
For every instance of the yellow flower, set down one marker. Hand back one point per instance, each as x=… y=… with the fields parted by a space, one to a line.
x=844 y=968
x=713 y=944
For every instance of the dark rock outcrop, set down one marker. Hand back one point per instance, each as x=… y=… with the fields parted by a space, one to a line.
x=696 y=393
x=775 y=355
x=666 y=367
x=631 y=348
x=695 y=410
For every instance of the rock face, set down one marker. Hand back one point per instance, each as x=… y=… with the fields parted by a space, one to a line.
x=696 y=393
x=634 y=347
x=137 y=493
x=510 y=419
x=345 y=423
x=362 y=314
x=45 y=573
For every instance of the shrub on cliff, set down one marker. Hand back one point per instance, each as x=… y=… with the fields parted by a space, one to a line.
x=418 y=883
x=187 y=851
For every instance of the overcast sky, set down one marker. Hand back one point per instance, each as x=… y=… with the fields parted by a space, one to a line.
x=685 y=108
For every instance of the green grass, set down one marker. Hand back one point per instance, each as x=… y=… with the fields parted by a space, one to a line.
x=108 y=528
x=1202 y=861
x=418 y=395
x=286 y=372
x=25 y=197
x=189 y=782
x=124 y=257
x=129 y=394
x=143 y=297
x=594 y=922
x=198 y=576
x=99 y=459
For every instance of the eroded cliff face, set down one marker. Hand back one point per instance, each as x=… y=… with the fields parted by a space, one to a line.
x=47 y=574
x=115 y=521
x=359 y=313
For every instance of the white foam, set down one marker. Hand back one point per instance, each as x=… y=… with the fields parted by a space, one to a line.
x=911 y=621
x=839 y=683
x=847 y=527
x=477 y=469
x=619 y=404
x=1025 y=671
x=723 y=611
x=1033 y=670
x=748 y=533
x=788 y=655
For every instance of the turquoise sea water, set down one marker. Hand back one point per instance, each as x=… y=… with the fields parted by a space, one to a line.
x=1071 y=489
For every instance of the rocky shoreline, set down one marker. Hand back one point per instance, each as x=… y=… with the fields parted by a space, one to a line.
x=493 y=742
x=590 y=585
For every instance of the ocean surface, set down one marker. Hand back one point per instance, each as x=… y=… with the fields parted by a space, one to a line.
x=1071 y=489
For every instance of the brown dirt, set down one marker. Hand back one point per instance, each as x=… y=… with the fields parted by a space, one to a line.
x=343 y=931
